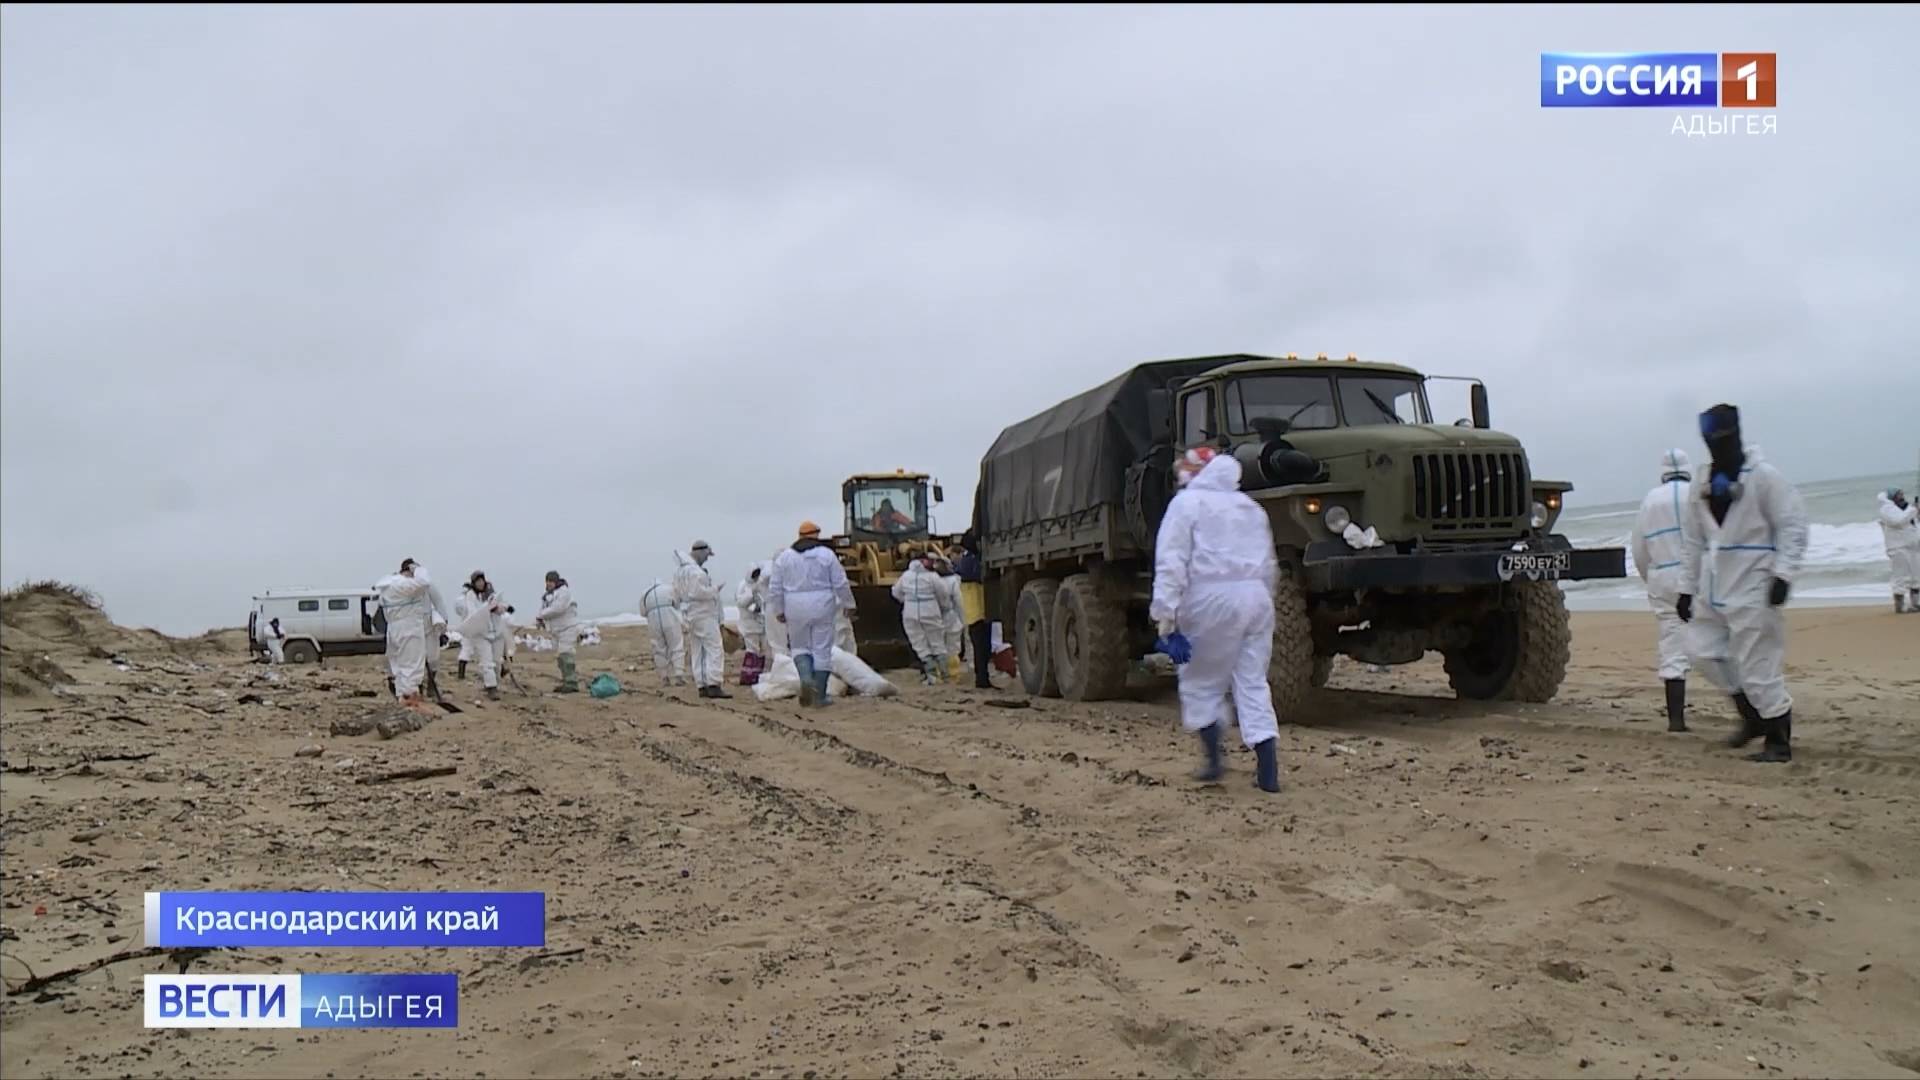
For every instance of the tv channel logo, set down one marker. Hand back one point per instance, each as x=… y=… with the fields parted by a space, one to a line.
x=1657 y=80
x=303 y=1001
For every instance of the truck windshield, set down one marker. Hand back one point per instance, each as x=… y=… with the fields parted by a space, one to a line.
x=1383 y=399
x=1304 y=401
x=889 y=508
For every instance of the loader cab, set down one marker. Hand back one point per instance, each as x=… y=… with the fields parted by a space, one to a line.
x=889 y=508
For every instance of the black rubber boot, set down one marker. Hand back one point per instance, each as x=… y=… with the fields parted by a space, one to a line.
x=463 y=671
x=1214 y=768
x=1899 y=604
x=1751 y=726
x=1779 y=746
x=1676 y=704
x=493 y=693
x=1267 y=776
x=718 y=693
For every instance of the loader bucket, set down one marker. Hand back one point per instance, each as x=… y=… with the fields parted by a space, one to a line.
x=881 y=637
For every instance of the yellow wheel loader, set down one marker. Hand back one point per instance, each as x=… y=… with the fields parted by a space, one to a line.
x=889 y=523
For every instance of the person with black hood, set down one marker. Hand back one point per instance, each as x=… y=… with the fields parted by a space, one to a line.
x=973 y=609
x=1745 y=538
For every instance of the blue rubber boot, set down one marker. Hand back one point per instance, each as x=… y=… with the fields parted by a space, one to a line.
x=804 y=665
x=1267 y=776
x=820 y=684
x=1215 y=768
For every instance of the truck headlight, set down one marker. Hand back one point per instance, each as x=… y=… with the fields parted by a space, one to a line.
x=1337 y=519
x=1539 y=516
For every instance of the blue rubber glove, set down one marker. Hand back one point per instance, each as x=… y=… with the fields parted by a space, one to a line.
x=1176 y=646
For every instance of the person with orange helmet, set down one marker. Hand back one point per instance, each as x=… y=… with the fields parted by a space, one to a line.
x=807 y=589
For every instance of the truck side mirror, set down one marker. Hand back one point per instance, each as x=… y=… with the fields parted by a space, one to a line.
x=1480 y=416
x=1160 y=415
x=938 y=495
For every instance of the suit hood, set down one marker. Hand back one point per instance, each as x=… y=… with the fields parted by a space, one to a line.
x=1220 y=474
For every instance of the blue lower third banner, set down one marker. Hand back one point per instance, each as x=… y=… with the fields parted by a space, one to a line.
x=303 y=1001
x=352 y=919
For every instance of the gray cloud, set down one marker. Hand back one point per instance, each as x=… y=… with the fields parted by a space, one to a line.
x=287 y=294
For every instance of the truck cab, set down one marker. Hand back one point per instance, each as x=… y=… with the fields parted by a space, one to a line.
x=1327 y=444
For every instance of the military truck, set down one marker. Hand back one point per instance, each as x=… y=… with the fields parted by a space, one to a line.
x=1463 y=559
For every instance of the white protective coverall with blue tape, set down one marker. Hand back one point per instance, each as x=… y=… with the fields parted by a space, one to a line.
x=663 y=626
x=1738 y=638
x=1214 y=577
x=407 y=605
x=1659 y=550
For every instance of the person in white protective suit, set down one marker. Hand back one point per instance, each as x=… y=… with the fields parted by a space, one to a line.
x=699 y=598
x=560 y=616
x=956 y=625
x=462 y=606
x=807 y=594
x=1746 y=533
x=276 y=641
x=663 y=626
x=485 y=630
x=1214 y=577
x=1900 y=524
x=751 y=600
x=924 y=606
x=404 y=600
x=1659 y=548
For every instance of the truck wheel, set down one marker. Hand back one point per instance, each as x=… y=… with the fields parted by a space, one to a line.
x=1516 y=655
x=1290 y=671
x=301 y=652
x=1089 y=642
x=1033 y=637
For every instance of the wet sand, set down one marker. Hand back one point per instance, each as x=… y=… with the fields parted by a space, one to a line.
x=933 y=885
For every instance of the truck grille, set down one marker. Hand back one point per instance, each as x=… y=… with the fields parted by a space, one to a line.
x=1471 y=490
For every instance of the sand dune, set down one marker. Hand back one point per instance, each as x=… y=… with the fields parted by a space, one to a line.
x=934 y=886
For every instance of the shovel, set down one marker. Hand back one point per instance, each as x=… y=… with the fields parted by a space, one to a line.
x=433 y=693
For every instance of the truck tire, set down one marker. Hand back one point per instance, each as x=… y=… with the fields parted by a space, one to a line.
x=1516 y=655
x=1089 y=656
x=1291 y=669
x=1033 y=637
x=301 y=652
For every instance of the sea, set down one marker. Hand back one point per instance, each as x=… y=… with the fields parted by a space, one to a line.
x=1846 y=560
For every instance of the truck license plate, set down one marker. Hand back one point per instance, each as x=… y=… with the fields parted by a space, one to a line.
x=1547 y=565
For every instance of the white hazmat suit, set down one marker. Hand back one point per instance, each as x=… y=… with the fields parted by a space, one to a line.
x=1901 y=530
x=663 y=626
x=956 y=621
x=276 y=641
x=699 y=599
x=1737 y=636
x=1659 y=553
x=404 y=600
x=923 y=615
x=809 y=589
x=484 y=631
x=1214 y=578
x=751 y=600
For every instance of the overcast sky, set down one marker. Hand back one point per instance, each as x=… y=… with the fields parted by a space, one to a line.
x=289 y=294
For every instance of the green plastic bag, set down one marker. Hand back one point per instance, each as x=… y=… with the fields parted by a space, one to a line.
x=603 y=686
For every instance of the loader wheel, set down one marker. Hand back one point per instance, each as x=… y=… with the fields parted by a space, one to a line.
x=1089 y=642
x=1291 y=669
x=1517 y=655
x=301 y=652
x=1033 y=637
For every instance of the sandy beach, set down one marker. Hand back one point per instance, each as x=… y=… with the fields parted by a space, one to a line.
x=940 y=884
